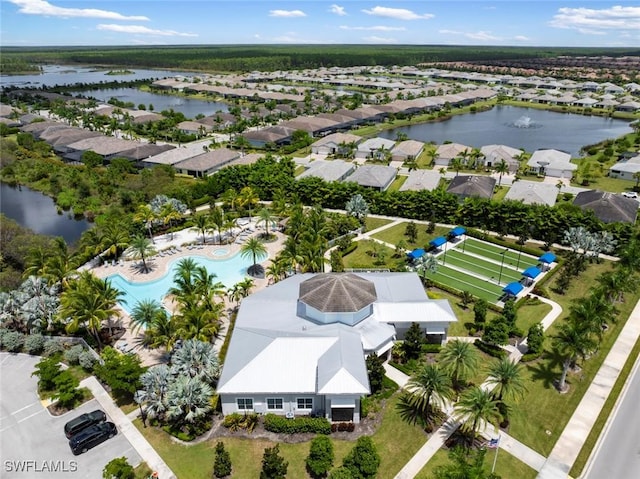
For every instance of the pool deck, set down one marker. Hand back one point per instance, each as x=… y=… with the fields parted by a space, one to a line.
x=159 y=265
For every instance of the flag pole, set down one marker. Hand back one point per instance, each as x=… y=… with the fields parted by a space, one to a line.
x=495 y=458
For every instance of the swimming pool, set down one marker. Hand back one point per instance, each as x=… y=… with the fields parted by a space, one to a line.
x=220 y=252
x=228 y=271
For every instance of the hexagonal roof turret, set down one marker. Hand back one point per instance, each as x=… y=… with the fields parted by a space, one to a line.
x=337 y=292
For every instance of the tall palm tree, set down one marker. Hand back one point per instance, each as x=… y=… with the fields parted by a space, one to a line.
x=144 y=214
x=266 y=218
x=572 y=341
x=162 y=333
x=197 y=322
x=456 y=164
x=460 y=359
x=145 y=313
x=184 y=280
x=116 y=238
x=593 y=312
x=429 y=384
x=277 y=270
x=169 y=213
x=476 y=408
x=253 y=249
x=217 y=219
x=501 y=167
x=231 y=198
x=155 y=386
x=201 y=223
x=506 y=376
x=196 y=359
x=140 y=248
x=245 y=286
x=248 y=199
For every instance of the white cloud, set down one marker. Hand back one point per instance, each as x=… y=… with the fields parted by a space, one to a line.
x=521 y=38
x=41 y=7
x=287 y=13
x=397 y=13
x=374 y=39
x=142 y=30
x=481 y=35
x=338 y=10
x=592 y=21
x=377 y=28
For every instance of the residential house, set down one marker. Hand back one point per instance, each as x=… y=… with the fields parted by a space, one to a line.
x=335 y=170
x=533 y=193
x=447 y=152
x=378 y=177
x=608 y=207
x=494 y=154
x=374 y=148
x=309 y=357
x=626 y=169
x=207 y=163
x=472 y=186
x=421 y=180
x=407 y=150
x=278 y=135
x=335 y=144
x=551 y=163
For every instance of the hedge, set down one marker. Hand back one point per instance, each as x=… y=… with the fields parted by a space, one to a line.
x=490 y=349
x=281 y=424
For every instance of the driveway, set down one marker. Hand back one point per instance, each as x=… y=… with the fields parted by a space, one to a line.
x=32 y=441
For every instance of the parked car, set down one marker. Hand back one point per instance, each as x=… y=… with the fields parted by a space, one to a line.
x=92 y=436
x=630 y=194
x=76 y=425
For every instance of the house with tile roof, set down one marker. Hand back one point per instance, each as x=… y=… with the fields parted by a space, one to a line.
x=551 y=163
x=533 y=193
x=207 y=163
x=335 y=143
x=328 y=170
x=299 y=346
x=608 y=207
x=626 y=169
x=421 y=180
x=378 y=177
x=472 y=186
x=407 y=150
x=374 y=148
x=448 y=151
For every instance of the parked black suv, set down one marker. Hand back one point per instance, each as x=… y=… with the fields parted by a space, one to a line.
x=92 y=436
x=76 y=425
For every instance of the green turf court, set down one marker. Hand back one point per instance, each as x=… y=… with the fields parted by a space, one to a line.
x=487 y=269
x=495 y=252
x=465 y=282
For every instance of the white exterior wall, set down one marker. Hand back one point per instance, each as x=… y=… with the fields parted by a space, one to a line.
x=623 y=175
x=229 y=403
x=558 y=173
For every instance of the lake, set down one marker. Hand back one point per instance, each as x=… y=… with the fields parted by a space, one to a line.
x=38 y=212
x=69 y=75
x=526 y=128
x=187 y=106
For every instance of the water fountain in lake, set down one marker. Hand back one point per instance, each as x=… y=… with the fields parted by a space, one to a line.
x=525 y=122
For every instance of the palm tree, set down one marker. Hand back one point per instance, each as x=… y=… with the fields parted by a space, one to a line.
x=572 y=341
x=155 y=385
x=197 y=322
x=196 y=359
x=357 y=207
x=501 y=167
x=277 y=270
x=140 y=248
x=169 y=214
x=265 y=217
x=460 y=359
x=184 y=280
x=201 y=223
x=253 y=249
x=145 y=215
x=217 y=219
x=456 y=164
x=116 y=238
x=245 y=286
x=476 y=408
x=145 y=313
x=231 y=198
x=426 y=264
x=247 y=199
x=162 y=333
x=506 y=375
x=427 y=385
x=188 y=399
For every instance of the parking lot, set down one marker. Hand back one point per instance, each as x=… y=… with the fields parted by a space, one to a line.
x=33 y=443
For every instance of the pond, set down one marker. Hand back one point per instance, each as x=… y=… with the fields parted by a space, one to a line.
x=69 y=75
x=526 y=128
x=187 y=106
x=39 y=213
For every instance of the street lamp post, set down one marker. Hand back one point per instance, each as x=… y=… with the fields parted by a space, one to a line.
x=444 y=258
x=501 y=265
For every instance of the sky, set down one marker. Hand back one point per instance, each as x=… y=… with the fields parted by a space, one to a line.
x=571 y=23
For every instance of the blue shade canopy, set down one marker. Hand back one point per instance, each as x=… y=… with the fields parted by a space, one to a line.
x=457 y=231
x=437 y=242
x=531 y=272
x=513 y=288
x=547 y=258
x=416 y=253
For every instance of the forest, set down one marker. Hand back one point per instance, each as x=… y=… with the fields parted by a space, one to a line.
x=234 y=58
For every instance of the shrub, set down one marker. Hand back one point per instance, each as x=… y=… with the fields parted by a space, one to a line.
x=13 y=341
x=34 y=344
x=72 y=355
x=490 y=349
x=375 y=371
x=431 y=348
x=118 y=468
x=222 y=462
x=273 y=464
x=320 y=459
x=363 y=460
x=281 y=424
x=47 y=370
x=530 y=357
x=535 y=338
x=86 y=360
x=233 y=421
x=52 y=346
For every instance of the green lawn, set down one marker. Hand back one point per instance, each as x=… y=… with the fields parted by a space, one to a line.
x=397 y=183
x=394 y=234
x=531 y=312
x=500 y=193
x=362 y=257
x=480 y=267
x=552 y=410
x=507 y=466
x=372 y=223
x=196 y=461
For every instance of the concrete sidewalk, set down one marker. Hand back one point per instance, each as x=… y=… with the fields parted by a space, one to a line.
x=126 y=427
x=568 y=446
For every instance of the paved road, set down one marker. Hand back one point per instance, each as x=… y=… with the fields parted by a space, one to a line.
x=619 y=453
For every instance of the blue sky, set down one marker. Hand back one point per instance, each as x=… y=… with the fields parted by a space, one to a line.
x=446 y=22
